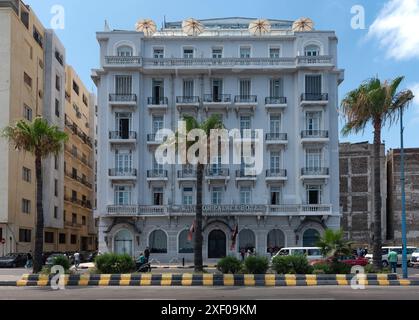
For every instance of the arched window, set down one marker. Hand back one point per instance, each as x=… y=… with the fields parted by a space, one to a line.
x=312 y=51
x=247 y=240
x=123 y=242
x=124 y=51
x=275 y=241
x=158 y=242
x=185 y=246
x=310 y=237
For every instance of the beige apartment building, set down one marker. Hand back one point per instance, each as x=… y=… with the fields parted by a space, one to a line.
x=33 y=82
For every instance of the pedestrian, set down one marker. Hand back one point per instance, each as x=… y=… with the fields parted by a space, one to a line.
x=243 y=253
x=76 y=259
x=249 y=253
x=29 y=260
x=359 y=252
x=147 y=254
x=392 y=259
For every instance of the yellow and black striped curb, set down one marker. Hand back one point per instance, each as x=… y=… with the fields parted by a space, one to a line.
x=268 y=280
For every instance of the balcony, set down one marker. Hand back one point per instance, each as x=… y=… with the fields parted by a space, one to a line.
x=123 y=174
x=314 y=62
x=217 y=174
x=247 y=135
x=81 y=180
x=129 y=62
x=314 y=136
x=242 y=175
x=314 y=99
x=119 y=100
x=245 y=102
x=157 y=175
x=217 y=102
x=154 y=139
x=82 y=203
x=275 y=103
x=276 y=138
x=314 y=173
x=274 y=175
x=156 y=104
x=186 y=175
x=119 y=137
x=187 y=103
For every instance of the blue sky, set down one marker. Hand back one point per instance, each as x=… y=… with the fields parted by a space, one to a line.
x=387 y=47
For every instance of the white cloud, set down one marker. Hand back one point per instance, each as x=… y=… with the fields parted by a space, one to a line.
x=415 y=89
x=415 y=116
x=396 y=28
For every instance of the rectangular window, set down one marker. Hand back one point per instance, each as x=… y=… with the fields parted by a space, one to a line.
x=59 y=57
x=275 y=196
x=188 y=88
x=313 y=120
x=123 y=85
x=158 y=196
x=275 y=160
x=57 y=107
x=26 y=206
x=217 y=90
x=158 y=53
x=27 y=112
x=74 y=173
x=313 y=84
x=314 y=194
x=123 y=161
x=276 y=88
x=56 y=165
x=27 y=79
x=275 y=123
x=83 y=220
x=73 y=239
x=187 y=198
x=244 y=52
x=84 y=98
x=49 y=237
x=38 y=37
x=74 y=218
x=25 y=235
x=73 y=195
x=274 y=53
x=217 y=53
x=76 y=88
x=26 y=174
x=313 y=158
x=62 y=238
x=244 y=88
x=122 y=195
x=57 y=82
x=55 y=212
x=245 y=195
x=216 y=195
x=24 y=17
x=157 y=123
x=188 y=53
x=56 y=187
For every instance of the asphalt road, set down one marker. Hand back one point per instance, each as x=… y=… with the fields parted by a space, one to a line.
x=211 y=293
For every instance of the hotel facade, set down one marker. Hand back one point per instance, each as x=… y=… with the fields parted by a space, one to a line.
x=283 y=82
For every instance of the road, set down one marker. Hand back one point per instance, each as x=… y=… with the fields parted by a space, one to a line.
x=211 y=293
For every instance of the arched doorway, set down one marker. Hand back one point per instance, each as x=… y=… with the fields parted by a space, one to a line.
x=123 y=242
x=275 y=241
x=310 y=237
x=217 y=244
x=158 y=242
x=247 y=240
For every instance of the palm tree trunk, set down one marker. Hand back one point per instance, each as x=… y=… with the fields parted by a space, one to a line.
x=377 y=241
x=198 y=227
x=39 y=232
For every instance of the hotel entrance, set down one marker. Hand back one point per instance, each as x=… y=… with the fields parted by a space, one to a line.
x=217 y=244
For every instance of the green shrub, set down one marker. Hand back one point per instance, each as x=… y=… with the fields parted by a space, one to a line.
x=111 y=263
x=296 y=264
x=369 y=268
x=61 y=261
x=340 y=268
x=256 y=265
x=229 y=265
x=325 y=268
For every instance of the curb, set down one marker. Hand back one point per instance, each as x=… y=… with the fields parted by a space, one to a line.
x=237 y=280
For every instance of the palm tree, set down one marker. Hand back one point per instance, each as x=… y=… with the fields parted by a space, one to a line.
x=212 y=123
x=41 y=140
x=378 y=103
x=332 y=244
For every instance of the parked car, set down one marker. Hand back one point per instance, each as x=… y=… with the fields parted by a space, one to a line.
x=13 y=260
x=351 y=260
x=414 y=260
x=312 y=253
x=398 y=249
x=50 y=260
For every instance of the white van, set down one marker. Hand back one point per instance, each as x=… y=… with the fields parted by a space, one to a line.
x=398 y=249
x=414 y=261
x=312 y=253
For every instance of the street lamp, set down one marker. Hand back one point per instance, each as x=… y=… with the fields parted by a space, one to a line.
x=402 y=183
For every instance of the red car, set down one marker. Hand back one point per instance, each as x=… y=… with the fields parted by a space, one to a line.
x=349 y=260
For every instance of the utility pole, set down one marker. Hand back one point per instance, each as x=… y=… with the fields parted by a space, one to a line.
x=402 y=183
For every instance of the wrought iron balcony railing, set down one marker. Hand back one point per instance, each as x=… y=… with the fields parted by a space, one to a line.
x=122 y=172
x=186 y=173
x=157 y=173
x=218 y=172
x=276 y=136
x=275 y=100
x=246 y=99
x=314 y=97
x=315 y=171
x=220 y=98
x=276 y=173
x=186 y=99
x=314 y=134
x=157 y=101
x=120 y=135
x=118 y=97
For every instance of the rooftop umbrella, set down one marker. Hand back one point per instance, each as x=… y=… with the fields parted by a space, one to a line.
x=303 y=24
x=192 y=27
x=147 y=26
x=259 y=27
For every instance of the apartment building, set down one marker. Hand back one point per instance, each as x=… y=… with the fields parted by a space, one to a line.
x=33 y=83
x=283 y=82
x=357 y=191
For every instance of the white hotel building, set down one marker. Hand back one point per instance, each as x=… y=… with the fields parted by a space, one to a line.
x=283 y=82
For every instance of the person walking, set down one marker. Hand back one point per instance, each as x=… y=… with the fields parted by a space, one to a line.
x=29 y=260
x=77 y=259
x=392 y=259
x=243 y=253
x=147 y=254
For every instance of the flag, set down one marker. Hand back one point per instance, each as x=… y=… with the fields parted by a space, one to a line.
x=234 y=237
x=191 y=231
